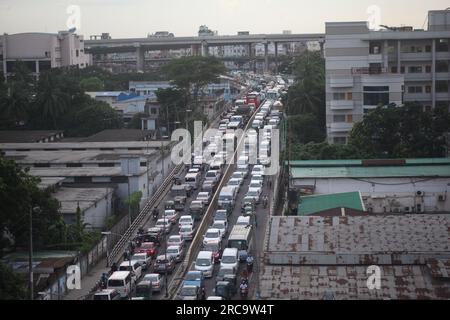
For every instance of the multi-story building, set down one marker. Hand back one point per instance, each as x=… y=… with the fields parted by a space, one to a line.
x=366 y=68
x=42 y=51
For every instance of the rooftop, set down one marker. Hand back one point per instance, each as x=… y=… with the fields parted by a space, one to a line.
x=316 y=204
x=83 y=146
x=85 y=198
x=120 y=135
x=26 y=136
x=435 y=167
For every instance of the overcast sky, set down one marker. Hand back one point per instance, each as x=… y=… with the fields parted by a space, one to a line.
x=136 y=18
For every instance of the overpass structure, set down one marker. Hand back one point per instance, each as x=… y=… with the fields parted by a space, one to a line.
x=198 y=45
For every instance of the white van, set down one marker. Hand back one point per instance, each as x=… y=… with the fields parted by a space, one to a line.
x=205 y=263
x=230 y=258
x=122 y=282
x=193 y=180
x=243 y=221
x=227 y=197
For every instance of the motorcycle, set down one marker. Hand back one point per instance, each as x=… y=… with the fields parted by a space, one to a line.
x=244 y=291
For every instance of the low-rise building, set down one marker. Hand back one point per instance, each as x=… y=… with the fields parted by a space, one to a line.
x=386 y=186
x=27 y=136
x=313 y=258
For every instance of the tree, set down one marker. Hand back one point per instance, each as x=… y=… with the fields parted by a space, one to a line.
x=325 y=151
x=19 y=192
x=136 y=121
x=192 y=74
x=402 y=132
x=133 y=202
x=52 y=100
x=305 y=128
x=13 y=286
x=92 y=84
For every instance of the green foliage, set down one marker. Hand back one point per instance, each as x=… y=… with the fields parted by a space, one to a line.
x=135 y=122
x=402 y=132
x=12 y=285
x=192 y=74
x=325 y=151
x=92 y=84
x=19 y=193
x=133 y=202
x=305 y=128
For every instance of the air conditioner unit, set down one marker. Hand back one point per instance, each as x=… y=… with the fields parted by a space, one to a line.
x=442 y=197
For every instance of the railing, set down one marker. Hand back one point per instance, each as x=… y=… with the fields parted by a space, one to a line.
x=160 y=193
x=369 y=70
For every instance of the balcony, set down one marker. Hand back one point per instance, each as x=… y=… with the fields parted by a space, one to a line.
x=341 y=82
x=341 y=104
x=369 y=70
x=375 y=58
x=341 y=127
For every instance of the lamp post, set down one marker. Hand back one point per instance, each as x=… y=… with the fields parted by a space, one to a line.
x=186 y=118
x=165 y=257
x=30 y=252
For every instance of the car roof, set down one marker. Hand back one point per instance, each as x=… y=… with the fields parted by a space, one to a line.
x=119 y=275
x=204 y=254
x=105 y=291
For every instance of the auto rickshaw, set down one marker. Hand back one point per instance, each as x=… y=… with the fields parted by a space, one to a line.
x=224 y=289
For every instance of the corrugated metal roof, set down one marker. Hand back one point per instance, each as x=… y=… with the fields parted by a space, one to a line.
x=371 y=172
x=314 y=204
x=355 y=162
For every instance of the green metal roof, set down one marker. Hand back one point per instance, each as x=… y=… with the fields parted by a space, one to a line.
x=314 y=204
x=371 y=172
x=356 y=163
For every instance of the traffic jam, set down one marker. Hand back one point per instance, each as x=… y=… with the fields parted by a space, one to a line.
x=224 y=263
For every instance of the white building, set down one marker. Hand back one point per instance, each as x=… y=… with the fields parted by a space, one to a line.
x=386 y=186
x=42 y=51
x=365 y=68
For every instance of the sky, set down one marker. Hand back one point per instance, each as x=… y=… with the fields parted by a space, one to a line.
x=137 y=18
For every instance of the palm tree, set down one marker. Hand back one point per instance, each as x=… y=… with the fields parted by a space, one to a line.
x=51 y=101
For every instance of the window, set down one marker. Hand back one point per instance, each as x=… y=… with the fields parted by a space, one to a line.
x=442 y=66
x=427 y=48
x=415 y=89
x=376 y=95
x=340 y=140
x=402 y=69
x=427 y=69
x=415 y=69
x=153 y=111
x=339 y=118
x=442 y=86
x=375 y=47
x=442 y=45
x=428 y=89
x=77 y=53
x=394 y=69
x=339 y=96
x=349 y=118
x=349 y=95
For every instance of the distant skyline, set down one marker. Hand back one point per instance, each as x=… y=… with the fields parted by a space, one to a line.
x=137 y=18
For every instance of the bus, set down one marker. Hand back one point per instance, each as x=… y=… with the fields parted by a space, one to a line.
x=241 y=238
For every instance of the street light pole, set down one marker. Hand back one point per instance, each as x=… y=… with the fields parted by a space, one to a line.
x=165 y=256
x=30 y=257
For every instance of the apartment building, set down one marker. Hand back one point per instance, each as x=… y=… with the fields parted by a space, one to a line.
x=42 y=51
x=366 y=68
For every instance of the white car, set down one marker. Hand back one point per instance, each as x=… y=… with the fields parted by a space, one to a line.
x=134 y=267
x=144 y=260
x=187 y=231
x=212 y=235
x=185 y=220
x=171 y=215
x=254 y=193
x=258 y=177
x=235 y=183
x=176 y=252
x=255 y=184
x=258 y=170
x=175 y=240
x=164 y=224
x=205 y=197
x=222 y=226
x=238 y=175
x=194 y=170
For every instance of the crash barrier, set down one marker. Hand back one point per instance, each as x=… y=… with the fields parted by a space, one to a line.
x=207 y=219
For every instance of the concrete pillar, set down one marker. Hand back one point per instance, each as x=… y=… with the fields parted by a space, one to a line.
x=37 y=69
x=276 y=57
x=252 y=64
x=399 y=56
x=322 y=48
x=385 y=55
x=140 y=59
x=433 y=74
x=205 y=49
x=266 y=57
